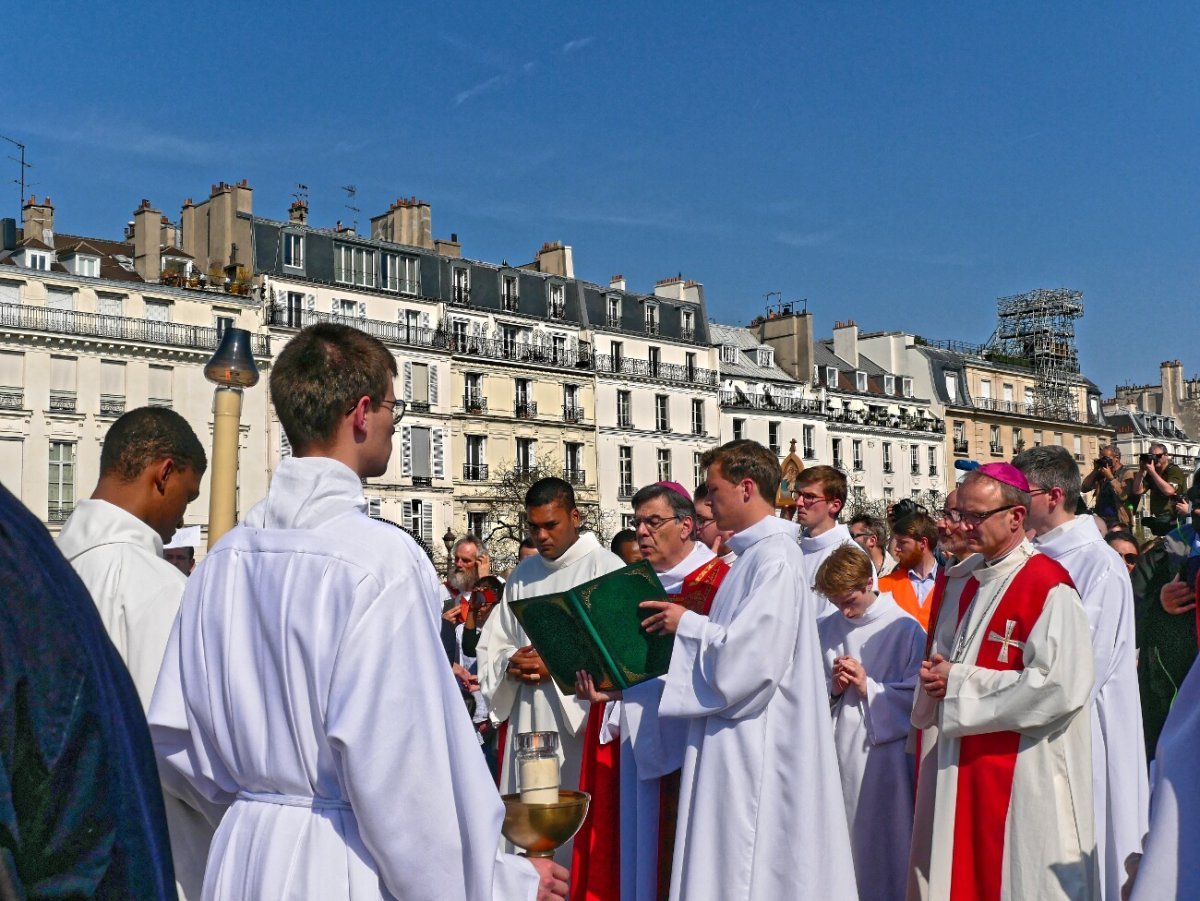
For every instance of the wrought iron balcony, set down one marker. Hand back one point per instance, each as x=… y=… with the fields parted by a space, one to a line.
x=960 y=445
x=475 y=472
x=111 y=405
x=387 y=332
x=933 y=470
x=699 y=431
x=518 y=352
x=651 y=328
x=422 y=481
x=62 y=401
x=12 y=399
x=164 y=402
x=525 y=409
x=95 y=325
x=510 y=303
x=738 y=400
x=687 y=334
x=1036 y=410
x=625 y=491
x=59 y=512
x=916 y=470
x=810 y=453
x=613 y=321
x=996 y=449
x=662 y=425
x=460 y=295
x=888 y=468
x=574 y=476
x=572 y=413
x=558 y=310
x=624 y=421
x=417 y=406
x=665 y=372
x=474 y=403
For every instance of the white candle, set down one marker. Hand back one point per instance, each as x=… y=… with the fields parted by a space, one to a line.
x=539 y=780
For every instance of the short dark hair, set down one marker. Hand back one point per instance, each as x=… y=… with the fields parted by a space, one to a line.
x=831 y=480
x=623 y=537
x=529 y=543
x=680 y=505
x=549 y=491
x=146 y=436
x=191 y=551
x=493 y=583
x=1051 y=466
x=701 y=493
x=1112 y=537
x=917 y=526
x=321 y=374
x=746 y=459
x=874 y=525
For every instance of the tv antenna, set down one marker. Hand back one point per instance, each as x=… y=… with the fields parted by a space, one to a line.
x=351 y=197
x=301 y=192
x=23 y=166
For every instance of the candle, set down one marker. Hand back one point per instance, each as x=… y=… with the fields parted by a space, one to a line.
x=539 y=779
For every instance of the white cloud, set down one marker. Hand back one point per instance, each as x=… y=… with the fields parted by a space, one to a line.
x=577 y=44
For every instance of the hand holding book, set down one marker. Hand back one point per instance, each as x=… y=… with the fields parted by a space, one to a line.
x=666 y=620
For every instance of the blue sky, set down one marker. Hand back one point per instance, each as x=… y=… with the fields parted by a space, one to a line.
x=899 y=164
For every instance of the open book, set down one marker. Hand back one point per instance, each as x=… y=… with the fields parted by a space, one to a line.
x=597 y=626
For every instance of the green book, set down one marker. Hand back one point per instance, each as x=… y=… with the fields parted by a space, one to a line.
x=597 y=626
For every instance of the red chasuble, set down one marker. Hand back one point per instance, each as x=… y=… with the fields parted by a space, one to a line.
x=596 y=860
x=987 y=762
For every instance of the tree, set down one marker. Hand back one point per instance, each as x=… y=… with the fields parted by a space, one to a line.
x=506 y=519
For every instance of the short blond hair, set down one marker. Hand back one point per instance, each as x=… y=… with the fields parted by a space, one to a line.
x=846 y=569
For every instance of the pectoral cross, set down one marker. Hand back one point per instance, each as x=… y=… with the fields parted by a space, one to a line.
x=1006 y=640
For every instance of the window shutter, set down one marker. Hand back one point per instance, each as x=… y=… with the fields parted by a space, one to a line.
x=433 y=384
x=362 y=309
x=406 y=450
x=285 y=446
x=334 y=306
x=425 y=320
x=426 y=521
x=310 y=302
x=439 y=454
x=408 y=381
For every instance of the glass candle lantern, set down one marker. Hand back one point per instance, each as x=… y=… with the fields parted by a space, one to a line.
x=537 y=767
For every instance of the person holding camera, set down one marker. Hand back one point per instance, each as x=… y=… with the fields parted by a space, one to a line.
x=1111 y=482
x=1163 y=481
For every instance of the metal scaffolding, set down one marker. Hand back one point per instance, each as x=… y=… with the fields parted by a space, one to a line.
x=1037 y=330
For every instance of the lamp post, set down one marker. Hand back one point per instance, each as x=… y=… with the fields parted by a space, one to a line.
x=231 y=369
x=448 y=539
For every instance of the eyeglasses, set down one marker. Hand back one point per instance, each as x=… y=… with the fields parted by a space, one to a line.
x=653 y=523
x=971 y=518
x=1034 y=491
x=811 y=498
x=1131 y=559
x=1158 y=456
x=703 y=522
x=397 y=407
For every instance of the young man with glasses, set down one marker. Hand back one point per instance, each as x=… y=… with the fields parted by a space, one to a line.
x=305 y=687
x=1119 y=787
x=632 y=830
x=820 y=496
x=1164 y=482
x=1008 y=814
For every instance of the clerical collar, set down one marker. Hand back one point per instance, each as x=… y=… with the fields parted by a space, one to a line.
x=584 y=545
x=673 y=578
x=990 y=563
x=765 y=527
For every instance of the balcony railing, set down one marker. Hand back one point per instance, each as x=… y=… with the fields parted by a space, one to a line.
x=510 y=303
x=1034 y=410
x=996 y=448
x=960 y=445
x=662 y=425
x=387 y=332
x=62 y=401
x=525 y=409
x=613 y=321
x=59 y=512
x=574 y=476
x=916 y=470
x=558 y=310
x=698 y=430
x=624 y=421
x=933 y=470
x=164 y=402
x=422 y=481
x=518 y=351
x=572 y=413
x=474 y=403
x=687 y=334
x=418 y=406
x=739 y=400
x=666 y=372
x=111 y=405
x=11 y=399
x=95 y=325
x=460 y=295
x=887 y=468
x=625 y=491
x=810 y=453
x=651 y=328
x=475 y=472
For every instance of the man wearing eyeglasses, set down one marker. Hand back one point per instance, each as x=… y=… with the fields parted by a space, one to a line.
x=1163 y=481
x=1009 y=675
x=820 y=496
x=664 y=520
x=304 y=686
x=1119 y=787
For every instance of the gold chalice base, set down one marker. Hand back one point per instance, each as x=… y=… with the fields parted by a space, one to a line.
x=537 y=829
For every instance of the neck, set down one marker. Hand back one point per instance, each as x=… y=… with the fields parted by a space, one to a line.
x=925 y=565
x=667 y=565
x=877 y=557
x=1054 y=520
x=125 y=495
x=559 y=555
x=821 y=527
x=346 y=455
x=1013 y=541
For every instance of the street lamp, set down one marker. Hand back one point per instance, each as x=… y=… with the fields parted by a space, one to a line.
x=448 y=540
x=231 y=369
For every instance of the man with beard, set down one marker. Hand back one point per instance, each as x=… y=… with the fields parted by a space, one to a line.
x=469 y=561
x=911 y=583
x=512 y=675
x=633 y=809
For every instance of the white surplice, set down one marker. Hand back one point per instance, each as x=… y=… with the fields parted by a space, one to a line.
x=761 y=814
x=870 y=732
x=650 y=748
x=1170 y=866
x=543 y=708
x=816 y=551
x=1119 y=787
x=119 y=558
x=1049 y=843
x=305 y=685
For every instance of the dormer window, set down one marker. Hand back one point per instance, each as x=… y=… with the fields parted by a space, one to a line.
x=889 y=384
x=557 y=300
x=293 y=250
x=729 y=353
x=651 y=319
x=37 y=259
x=951 y=385
x=510 y=297
x=688 y=319
x=88 y=267
x=860 y=381
x=614 y=312
x=906 y=386
x=831 y=376
x=766 y=356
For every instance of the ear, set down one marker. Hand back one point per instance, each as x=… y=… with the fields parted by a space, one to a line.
x=163 y=470
x=359 y=413
x=836 y=506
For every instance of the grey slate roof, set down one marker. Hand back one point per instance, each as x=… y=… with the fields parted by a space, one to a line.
x=747 y=365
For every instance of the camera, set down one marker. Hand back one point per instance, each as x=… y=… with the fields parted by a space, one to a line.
x=1100 y=463
x=1145 y=458
x=904 y=509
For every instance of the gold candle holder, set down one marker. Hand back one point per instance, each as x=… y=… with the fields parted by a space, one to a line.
x=539 y=829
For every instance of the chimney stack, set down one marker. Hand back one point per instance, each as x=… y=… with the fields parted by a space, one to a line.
x=791 y=335
x=298 y=212
x=556 y=258
x=670 y=288
x=407 y=221
x=39 y=220
x=617 y=283
x=449 y=248
x=147 y=252
x=845 y=341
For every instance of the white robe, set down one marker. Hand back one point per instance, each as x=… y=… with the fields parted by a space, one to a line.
x=1049 y=843
x=1119 y=786
x=305 y=685
x=650 y=748
x=816 y=551
x=760 y=808
x=543 y=708
x=119 y=558
x=870 y=732
x=1170 y=867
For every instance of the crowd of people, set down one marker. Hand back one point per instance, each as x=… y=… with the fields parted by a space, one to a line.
x=974 y=702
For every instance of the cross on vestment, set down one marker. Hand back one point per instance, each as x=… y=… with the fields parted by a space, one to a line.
x=1006 y=640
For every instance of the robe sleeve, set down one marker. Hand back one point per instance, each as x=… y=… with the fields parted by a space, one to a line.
x=657 y=742
x=733 y=670
x=888 y=705
x=1054 y=685
x=405 y=744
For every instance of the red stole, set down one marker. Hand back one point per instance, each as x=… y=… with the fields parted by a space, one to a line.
x=988 y=762
x=596 y=856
